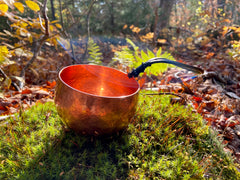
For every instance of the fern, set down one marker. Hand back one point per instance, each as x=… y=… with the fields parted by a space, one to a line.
x=125 y=56
x=95 y=56
x=134 y=58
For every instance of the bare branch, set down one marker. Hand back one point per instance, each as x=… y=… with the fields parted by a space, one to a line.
x=45 y=17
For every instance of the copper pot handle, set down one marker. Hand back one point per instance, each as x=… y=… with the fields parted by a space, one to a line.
x=143 y=66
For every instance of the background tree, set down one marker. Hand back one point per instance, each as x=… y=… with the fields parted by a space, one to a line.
x=162 y=11
x=52 y=9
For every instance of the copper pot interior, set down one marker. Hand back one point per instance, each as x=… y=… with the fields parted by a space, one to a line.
x=99 y=81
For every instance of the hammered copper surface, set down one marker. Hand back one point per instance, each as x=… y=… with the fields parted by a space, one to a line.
x=95 y=99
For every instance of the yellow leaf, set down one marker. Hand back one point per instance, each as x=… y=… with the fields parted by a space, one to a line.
x=30 y=39
x=19 y=6
x=225 y=30
x=23 y=24
x=3 y=50
x=51 y=28
x=125 y=26
x=55 y=21
x=55 y=43
x=58 y=26
x=1 y=58
x=162 y=41
x=136 y=29
x=3 y=9
x=3 y=53
x=189 y=39
x=32 y=5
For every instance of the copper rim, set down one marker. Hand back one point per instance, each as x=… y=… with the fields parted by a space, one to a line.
x=133 y=83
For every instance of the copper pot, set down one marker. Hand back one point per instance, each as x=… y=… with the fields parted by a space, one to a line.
x=98 y=100
x=94 y=99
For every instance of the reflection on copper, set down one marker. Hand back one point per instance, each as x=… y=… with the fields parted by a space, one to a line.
x=95 y=99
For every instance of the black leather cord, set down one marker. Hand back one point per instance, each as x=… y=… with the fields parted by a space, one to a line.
x=143 y=66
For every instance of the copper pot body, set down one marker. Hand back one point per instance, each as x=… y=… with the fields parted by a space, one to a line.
x=94 y=99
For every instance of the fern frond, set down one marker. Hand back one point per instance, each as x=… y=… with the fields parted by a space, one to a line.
x=135 y=58
x=95 y=55
x=125 y=56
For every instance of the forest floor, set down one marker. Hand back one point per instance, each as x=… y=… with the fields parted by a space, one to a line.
x=217 y=101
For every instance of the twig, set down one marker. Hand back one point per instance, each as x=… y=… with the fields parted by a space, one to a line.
x=215 y=76
x=166 y=93
x=70 y=12
x=171 y=150
x=3 y=74
x=45 y=17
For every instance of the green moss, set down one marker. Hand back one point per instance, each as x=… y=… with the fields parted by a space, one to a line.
x=162 y=141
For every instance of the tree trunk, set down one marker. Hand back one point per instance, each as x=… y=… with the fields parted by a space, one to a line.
x=60 y=12
x=112 y=18
x=53 y=10
x=111 y=6
x=162 y=20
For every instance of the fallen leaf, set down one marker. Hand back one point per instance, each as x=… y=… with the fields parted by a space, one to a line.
x=51 y=85
x=26 y=91
x=233 y=120
x=197 y=99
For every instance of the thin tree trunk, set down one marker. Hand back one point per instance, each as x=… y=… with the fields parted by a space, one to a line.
x=53 y=10
x=155 y=25
x=60 y=9
x=112 y=18
x=88 y=28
